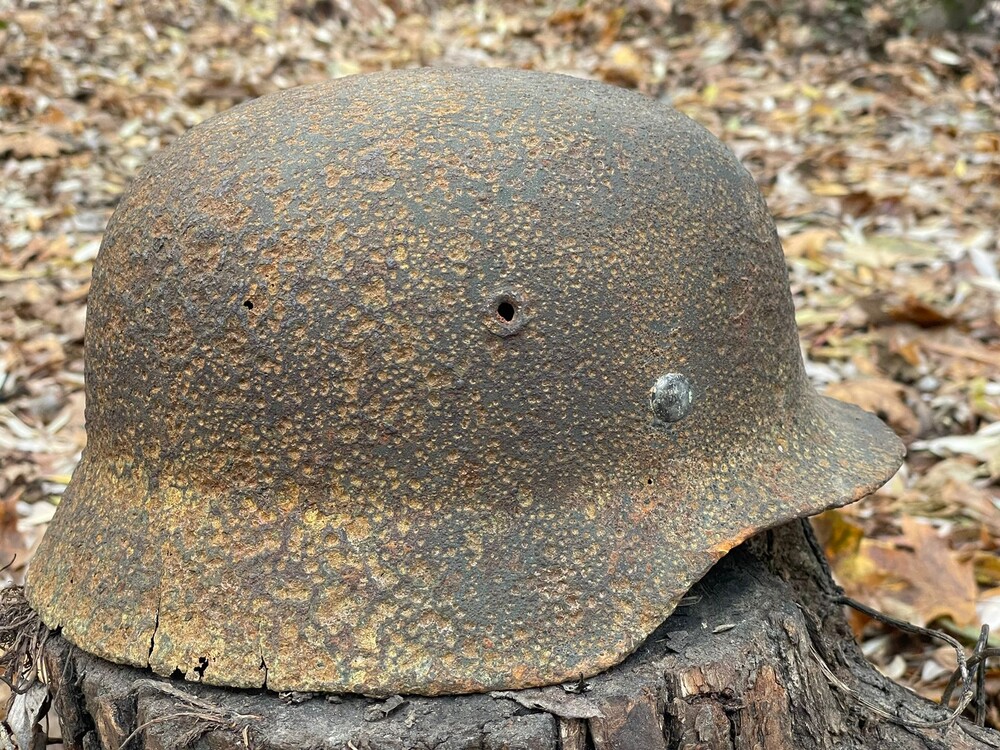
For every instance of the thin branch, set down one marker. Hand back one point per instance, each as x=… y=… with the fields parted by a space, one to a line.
x=967 y=679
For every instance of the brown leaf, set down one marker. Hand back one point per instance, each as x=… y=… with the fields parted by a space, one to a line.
x=918 y=312
x=31 y=145
x=623 y=67
x=987 y=566
x=858 y=203
x=12 y=546
x=914 y=576
x=829 y=189
x=886 y=398
x=977 y=503
x=974 y=352
x=809 y=243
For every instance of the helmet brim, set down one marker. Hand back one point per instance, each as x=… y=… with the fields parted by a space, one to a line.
x=605 y=575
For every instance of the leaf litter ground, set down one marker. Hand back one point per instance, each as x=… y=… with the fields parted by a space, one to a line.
x=878 y=150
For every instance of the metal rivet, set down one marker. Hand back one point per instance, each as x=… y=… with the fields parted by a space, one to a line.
x=671 y=397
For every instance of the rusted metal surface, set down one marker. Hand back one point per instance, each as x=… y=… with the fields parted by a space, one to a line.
x=369 y=390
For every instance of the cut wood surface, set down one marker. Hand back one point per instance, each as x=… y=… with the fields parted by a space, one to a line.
x=736 y=667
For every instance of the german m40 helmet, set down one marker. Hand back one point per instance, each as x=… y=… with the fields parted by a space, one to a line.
x=433 y=381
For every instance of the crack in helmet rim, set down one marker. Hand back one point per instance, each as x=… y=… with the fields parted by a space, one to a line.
x=369 y=409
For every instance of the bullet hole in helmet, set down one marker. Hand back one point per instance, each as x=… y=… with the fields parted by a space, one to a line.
x=649 y=480
x=505 y=312
x=202 y=666
x=248 y=304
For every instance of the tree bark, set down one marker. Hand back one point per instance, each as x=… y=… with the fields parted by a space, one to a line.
x=736 y=667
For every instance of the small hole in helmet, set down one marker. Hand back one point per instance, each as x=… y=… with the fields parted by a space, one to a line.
x=248 y=304
x=506 y=310
x=202 y=666
x=649 y=480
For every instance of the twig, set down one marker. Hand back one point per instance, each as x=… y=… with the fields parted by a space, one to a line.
x=206 y=715
x=23 y=636
x=974 y=660
x=211 y=719
x=973 y=684
x=874 y=707
x=980 y=701
x=967 y=679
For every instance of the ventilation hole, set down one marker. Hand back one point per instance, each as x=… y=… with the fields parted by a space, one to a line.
x=506 y=310
x=248 y=304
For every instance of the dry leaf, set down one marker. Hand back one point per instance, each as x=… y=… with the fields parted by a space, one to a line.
x=945 y=56
x=31 y=145
x=887 y=252
x=22 y=728
x=12 y=546
x=886 y=398
x=829 y=189
x=984 y=446
x=914 y=576
x=623 y=66
x=970 y=351
x=809 y=243
x=918 y=312
x=987 y=567
x=988 y=609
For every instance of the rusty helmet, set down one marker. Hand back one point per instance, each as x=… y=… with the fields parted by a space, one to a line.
x=434 y=381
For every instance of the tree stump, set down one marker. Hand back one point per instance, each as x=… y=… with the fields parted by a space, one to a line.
x=736 y=667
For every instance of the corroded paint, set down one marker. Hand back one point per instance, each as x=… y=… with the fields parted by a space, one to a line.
x=369 y=370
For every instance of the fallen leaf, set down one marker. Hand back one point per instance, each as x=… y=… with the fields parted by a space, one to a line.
x=987 y=566
x=887 y=252
x=886 y=398
x=829 y=189
x=623 y=66
x=976 y=353
x=976 y=503
x=914 y=576
x=23 y=722
x=31 y=145
x=988 y=609
x=895 y=669
x=945 y=56
x=984 y=446
x=809 y=243
x=12 y=546
x=918 y=312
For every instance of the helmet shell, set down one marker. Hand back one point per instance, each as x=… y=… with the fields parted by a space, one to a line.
x=369 y=372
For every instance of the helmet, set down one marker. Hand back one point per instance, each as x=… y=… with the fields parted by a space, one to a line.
x=435 y=381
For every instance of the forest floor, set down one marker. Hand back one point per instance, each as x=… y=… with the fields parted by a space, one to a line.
x=874 y=135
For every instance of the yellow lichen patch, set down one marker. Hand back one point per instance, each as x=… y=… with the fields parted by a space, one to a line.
x=358 y=529
x=381 y=184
